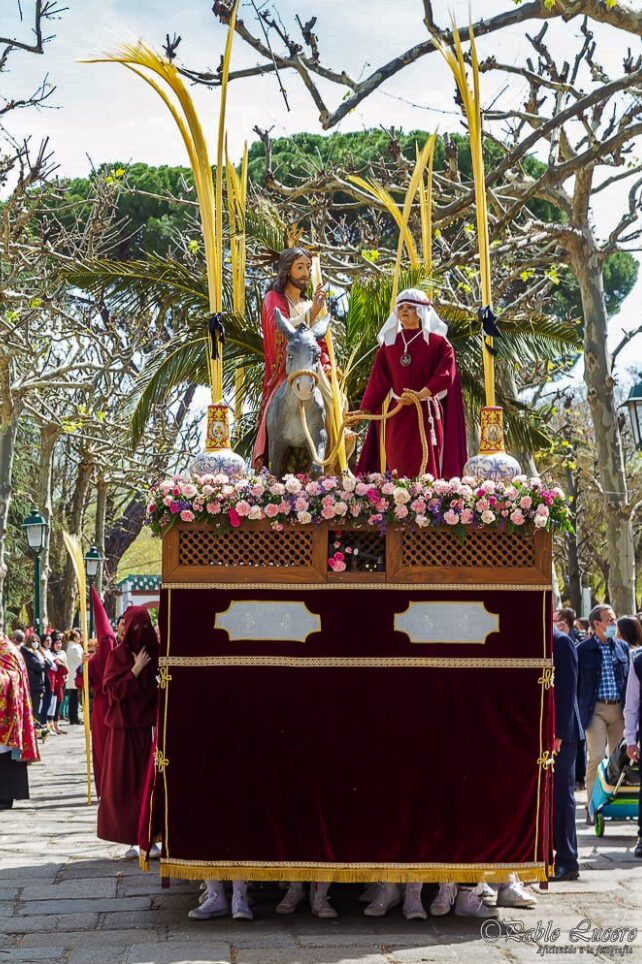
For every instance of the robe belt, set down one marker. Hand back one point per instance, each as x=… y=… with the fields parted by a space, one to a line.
x=433 y=412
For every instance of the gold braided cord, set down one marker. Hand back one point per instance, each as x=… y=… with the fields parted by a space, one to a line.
x=349 y=872
x=361 y=662
x=236 y=586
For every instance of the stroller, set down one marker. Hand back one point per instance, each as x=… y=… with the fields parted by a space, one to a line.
x=616 y=789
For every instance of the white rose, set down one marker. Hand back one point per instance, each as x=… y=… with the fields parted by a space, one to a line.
x=401 y=496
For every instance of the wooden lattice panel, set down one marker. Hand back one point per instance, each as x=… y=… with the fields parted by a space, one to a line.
x=370 y=543
x=426 y=549
x=245 y=548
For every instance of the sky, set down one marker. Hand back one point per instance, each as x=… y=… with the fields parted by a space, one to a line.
x=101 y=112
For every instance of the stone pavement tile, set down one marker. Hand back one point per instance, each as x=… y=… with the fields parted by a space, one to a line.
x=320 y=955
x=17 y=868
x=8 y=893
x=97 y=955
x=88 y=938
x=32 y=954
x=180 y=953
x=97 y=905
x=128 y=886
x=49 y=922
x=91 y=887
x=422 y=939
x=79 y=869
x=418 y=955
x=160 y=919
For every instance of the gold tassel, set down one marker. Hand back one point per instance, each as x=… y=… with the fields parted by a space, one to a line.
x=75 y=552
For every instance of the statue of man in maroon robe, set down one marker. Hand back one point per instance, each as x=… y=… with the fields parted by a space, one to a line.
x=287 y=293
x=415 y=359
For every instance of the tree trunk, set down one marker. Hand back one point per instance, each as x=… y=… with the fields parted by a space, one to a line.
x=48 y=437
x=101 y=512
x=9 y=417
x=118 y=539
x=587 y=264
x=573 y=574
x=76 y=516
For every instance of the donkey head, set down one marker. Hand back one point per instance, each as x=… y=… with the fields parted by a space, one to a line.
x=302 y=352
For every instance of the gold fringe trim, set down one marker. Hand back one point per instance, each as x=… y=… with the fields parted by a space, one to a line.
x=143 y=863
x=362 y=586
x=351 y=873
x=366 y=662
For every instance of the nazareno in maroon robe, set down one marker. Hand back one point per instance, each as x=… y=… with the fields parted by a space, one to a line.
x=130 y=717
x=96 y=668
x=433 y=366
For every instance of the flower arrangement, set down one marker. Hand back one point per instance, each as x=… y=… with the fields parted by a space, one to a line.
x=370 y=500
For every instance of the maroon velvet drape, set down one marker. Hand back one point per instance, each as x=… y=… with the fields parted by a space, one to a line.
x=302 y=763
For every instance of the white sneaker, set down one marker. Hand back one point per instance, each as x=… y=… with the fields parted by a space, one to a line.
x=214 y=906
x=443 y=900
x=320 y=905
x=155 y=852
x=488 y=894
x=370 y=892
x=514 y=894
x=132 y=853
x=293 y=897
x=241 y=908
x=389 y=896
x=470 y=904
x=413 y=909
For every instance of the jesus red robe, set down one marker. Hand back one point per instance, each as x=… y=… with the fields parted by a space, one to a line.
x=432 y=366
x=131 y=714
x=274 y=343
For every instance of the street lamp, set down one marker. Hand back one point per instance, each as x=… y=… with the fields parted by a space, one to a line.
x=35 y=528
x=92 y=560
x=634 y=405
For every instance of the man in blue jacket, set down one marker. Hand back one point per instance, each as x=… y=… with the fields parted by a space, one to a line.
x=603 y=667
x=568 y=733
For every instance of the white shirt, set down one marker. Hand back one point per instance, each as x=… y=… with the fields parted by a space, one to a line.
x=74 y=659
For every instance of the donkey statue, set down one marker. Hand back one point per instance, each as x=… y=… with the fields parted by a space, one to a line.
x=299 y=396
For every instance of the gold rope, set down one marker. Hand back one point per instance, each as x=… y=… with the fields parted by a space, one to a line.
x=363 y=586
x=361 y=662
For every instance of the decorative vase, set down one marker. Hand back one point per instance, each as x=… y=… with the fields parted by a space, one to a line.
x=492 y=462
x=218 y=457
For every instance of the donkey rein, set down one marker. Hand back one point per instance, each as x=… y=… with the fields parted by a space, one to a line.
x=366 y=418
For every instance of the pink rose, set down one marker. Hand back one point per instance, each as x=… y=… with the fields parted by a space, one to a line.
x=188 y=490
x=168 y=500
x=388 y=488
x=355 y=510
x=451 y=518
x=271 y=510
x=361 y=488
x=151 y=507
x=487 y=517
x=327 y=512
x=525 y=502
x=213 y=508
x=174 y=507
x=243 y=508
x=540 y=521
x=418 y=506
x=401 y=511
x=337 y=565
x=374 y=519
x=517 y=517
x=466 y=516
x=187 y=516
x=329 y=484
x=313 y=488
x=256 y=490
x=277 y=489
x=208 y=489
x=233 y=516
x=301 y=504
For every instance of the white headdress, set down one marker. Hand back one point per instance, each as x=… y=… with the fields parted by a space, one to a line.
x=428 y=317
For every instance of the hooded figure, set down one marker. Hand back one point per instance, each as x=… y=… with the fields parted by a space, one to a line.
x=129 y=683
x=96 y=669
x=415 y=356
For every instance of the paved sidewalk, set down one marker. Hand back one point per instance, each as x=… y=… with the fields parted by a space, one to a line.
x=66 y=898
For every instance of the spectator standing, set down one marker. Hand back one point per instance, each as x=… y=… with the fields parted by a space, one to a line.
x=36 y=670
x=568 y=731
x=57 y=676
x=629 y=630
x=633 y=728
x=18 y=745
x=603 y=666
x=74 y=659
x=564 y=620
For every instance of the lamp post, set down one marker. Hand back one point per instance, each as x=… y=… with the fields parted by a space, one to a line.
x=35 y=529
x=634 y=405
x=92 y=560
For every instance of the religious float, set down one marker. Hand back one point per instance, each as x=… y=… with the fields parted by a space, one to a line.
x=355 y=669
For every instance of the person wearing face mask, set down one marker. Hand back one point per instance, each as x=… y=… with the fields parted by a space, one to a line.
x=602 y=670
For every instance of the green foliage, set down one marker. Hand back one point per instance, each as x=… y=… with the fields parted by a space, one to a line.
x=620 y=275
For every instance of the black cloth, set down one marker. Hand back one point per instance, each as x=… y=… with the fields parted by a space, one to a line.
x=580 y=763
x=14 y=780
x=589 y=665
x=568 y=728
x=36 y=670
